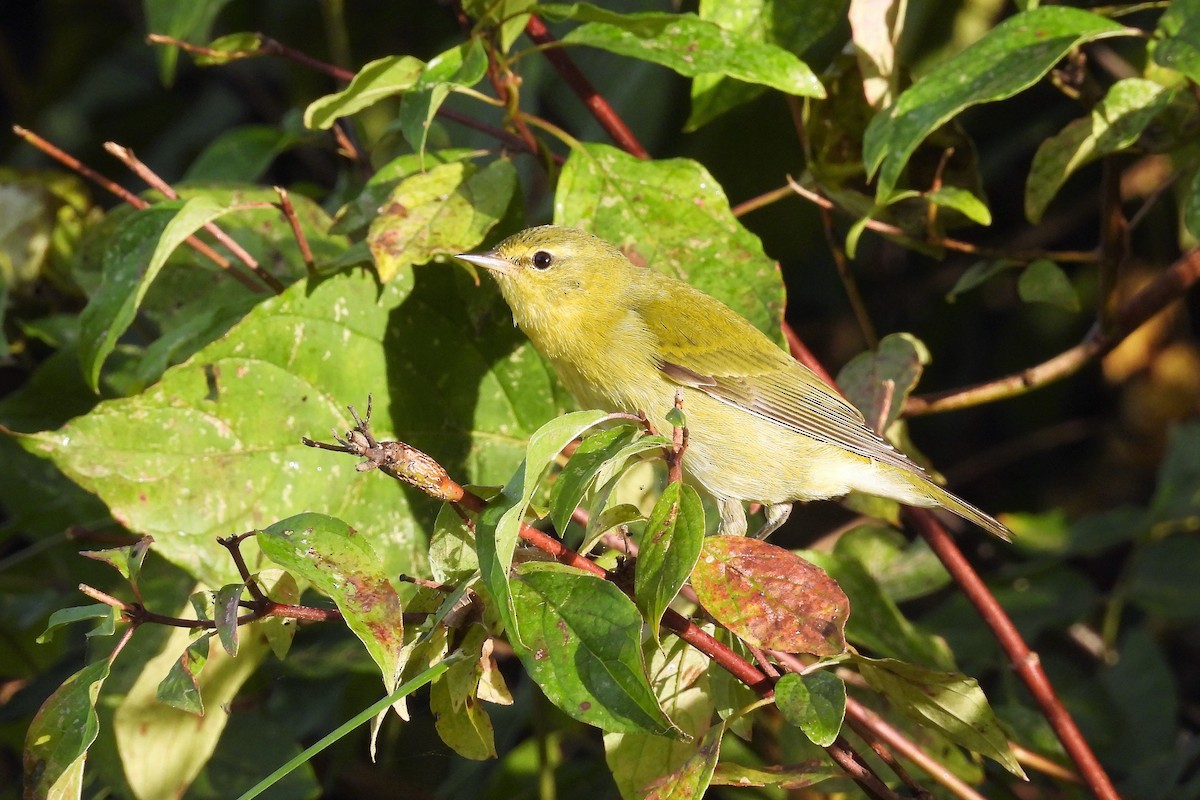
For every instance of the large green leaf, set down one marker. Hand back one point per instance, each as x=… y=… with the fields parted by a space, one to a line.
x=1009 y=58
x=214 y=448
x=814 y=702
x=138 y=249
x=382 y=78
x=687 y=44
x=1114 y=124
x=670 y=547
x=674 y=217
x=464 y=65
x=581 y=642
x=499 y=527
x=793 y=25
x=952 y=703
x=444 y=211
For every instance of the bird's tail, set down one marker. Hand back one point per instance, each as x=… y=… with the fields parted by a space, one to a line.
x=962 y=508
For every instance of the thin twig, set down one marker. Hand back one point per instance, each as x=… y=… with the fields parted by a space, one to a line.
x=853 y=295
x=234 y=545
x=862 y=719
x=583 y=88
x=139 y=168
x=77 y=166
x=1114 y=240
x=1167 y=288
x=289 y=213
x=762 y=201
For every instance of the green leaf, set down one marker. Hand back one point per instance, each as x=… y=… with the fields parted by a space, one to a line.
x=1191 y=206
x=223 y=457
x=67 y=616
x=58 y=739
x=580 y=641
x=181 y=688
x=444 y=211
x=137 y=251
x=281 y=587
x=792 y=776
x=379 y=79
x=464 y=65
x=241 y=154
x=360 y=212
x=691 y=781
x=230 y=47
x=225 y=613
x=499 y=527
x=962 y=201
x=190 y=22
x=459 y=718
x=126 y=560
x=770 y=597
x=815 y=703
x=904 y=570
x=674 y=217
x=947 y=701
x=688 y=45
x=1177 y=495
x=1176 y=43
x=794 y=25
x=978 y=274
x=579 y=474
x=680 y=679
x=878 y=383
x=669 y=549
x=341 y=563
x=1043 y=281
x=1114 y=124
x=452 y=556
x=507 y=16
x=1162 y=577
x=1008 y=59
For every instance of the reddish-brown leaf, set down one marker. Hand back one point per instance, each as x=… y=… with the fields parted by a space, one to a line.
x=771 y=597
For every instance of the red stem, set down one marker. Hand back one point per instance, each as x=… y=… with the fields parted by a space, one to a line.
x=1026 y=662
x=584 y=90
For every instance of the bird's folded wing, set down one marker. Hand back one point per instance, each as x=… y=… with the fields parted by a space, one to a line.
x=783 y=391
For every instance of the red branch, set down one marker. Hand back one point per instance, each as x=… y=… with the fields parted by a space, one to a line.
x=584 y=90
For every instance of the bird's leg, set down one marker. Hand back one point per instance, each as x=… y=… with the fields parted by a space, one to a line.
x=776 y=515
x=733 y=516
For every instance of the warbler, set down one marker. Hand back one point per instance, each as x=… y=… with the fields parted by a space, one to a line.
x=762 y=427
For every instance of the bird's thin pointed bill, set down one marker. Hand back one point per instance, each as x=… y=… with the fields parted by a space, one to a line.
x=489 y=260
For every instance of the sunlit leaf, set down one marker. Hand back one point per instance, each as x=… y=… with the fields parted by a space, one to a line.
x=1009 y=58
x=581 y=642
x=770 y=597
x=1114 y=124
x=57 y=741
x=669 y=549
x=380 y=79
x=815 y=703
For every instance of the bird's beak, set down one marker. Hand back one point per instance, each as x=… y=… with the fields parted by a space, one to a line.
x=490 y=260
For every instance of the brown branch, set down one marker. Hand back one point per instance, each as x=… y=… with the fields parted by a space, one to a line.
x=139 y=168
x=1024 y=661
x=849 y=285
x=289 y=213
x=864 y=721
x=584 y=90
x=234 y=545
x=762 y=201
x=77 y=166
x=1157 y=295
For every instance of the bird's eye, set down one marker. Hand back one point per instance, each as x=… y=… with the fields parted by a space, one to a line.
x=542 y=260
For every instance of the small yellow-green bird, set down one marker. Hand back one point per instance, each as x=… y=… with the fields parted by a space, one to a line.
x=762 y=427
